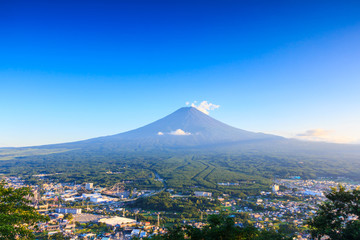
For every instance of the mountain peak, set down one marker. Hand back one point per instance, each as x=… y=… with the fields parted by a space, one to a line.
x=189 y=110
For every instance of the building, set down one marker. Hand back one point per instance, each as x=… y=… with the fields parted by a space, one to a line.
x=121 y=221
x=69 y=199
x=202 y=194
x=69 y=210
x=135 y=232
x=86 y=196
x=89 y=186
x=98 y=199
x=53 y=228
x=275 y=188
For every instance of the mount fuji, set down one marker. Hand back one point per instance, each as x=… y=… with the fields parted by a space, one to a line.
x=189 y=128
x=186 y=140
x=186 y=127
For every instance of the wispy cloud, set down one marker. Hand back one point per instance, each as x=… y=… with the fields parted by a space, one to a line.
x=204 y=106
x=179 y=132
x=322 y=135
x=315 y=133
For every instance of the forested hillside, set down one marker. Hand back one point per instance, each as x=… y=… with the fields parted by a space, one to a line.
x=182 y=170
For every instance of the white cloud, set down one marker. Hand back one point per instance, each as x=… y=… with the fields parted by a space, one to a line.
x=204 y=106
x=179 y=132
x=160 y=133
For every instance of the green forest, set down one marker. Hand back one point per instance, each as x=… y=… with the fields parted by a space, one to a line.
x=183 y=171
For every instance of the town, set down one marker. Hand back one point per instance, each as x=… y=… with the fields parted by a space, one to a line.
x=85 y=211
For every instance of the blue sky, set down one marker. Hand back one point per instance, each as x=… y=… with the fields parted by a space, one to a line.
x=72 y=71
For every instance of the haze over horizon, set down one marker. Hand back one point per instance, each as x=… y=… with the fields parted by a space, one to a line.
x=70 y=71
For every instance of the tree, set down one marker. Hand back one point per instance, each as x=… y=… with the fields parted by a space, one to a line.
x=68 y=216
x=338 y=218
x=58 y=236
x=17 y=217
x=220 y=227
x=288 y=228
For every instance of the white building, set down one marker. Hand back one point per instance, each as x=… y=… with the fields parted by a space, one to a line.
x=87 y=195
x=275 y=188
x=69 y=210
x=89 y=186
x=98 y=199
x=69 y=199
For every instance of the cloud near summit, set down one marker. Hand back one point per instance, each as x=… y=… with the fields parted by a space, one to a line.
x=179 y=132
x=204 y=106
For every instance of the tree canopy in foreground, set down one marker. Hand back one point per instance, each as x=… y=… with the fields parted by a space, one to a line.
x=338 y=218
x=17 y=217
x=220 y=227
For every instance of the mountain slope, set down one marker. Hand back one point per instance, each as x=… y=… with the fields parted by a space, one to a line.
x=190 y=128
x=185 y=127
x=188 y=148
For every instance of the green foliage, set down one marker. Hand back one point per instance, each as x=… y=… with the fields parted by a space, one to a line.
x=97 y=228
x=68 y=216
x=336 y=218
x=17 y=217
x=184 y=170
x=220 y=227
x=288 y=228
x=58 y=236
x=163 y=202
